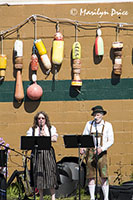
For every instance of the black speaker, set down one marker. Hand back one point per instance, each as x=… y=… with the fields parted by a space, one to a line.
x=72 y=163
x=123 y=192
x=64 y=173
x=74 y=167
x=69 y=174
x=67 y=186
x=67 y=189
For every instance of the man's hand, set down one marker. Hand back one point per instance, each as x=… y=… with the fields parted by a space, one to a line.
x=82 y=151
x=99 y=150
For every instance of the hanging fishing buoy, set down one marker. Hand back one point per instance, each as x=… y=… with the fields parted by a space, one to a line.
x=99 y=46
x=117 y=47
x=34 y=62
x=76 y=56
x=34 y=91
x=18 y=54
x=43 y=54
x=34 y=66
x=3 y=65
x=58 y=47
x=34 y=58
x=3 y=62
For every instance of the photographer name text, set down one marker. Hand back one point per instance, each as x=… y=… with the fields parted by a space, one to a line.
x=100 y=13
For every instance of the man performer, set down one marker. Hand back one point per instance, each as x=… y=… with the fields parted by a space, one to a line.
x=103 y=136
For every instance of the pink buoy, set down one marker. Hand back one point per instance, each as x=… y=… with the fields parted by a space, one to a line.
x=34 y=91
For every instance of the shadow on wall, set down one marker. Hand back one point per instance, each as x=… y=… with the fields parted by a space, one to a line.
x=115 y=79
x=96 y=59
x=29 y=106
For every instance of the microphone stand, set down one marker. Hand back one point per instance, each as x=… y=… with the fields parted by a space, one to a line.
x=8 y=148
x=40 y=127
x=96 y=159
x=35 y=162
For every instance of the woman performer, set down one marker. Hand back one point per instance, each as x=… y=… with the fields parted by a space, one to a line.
x=45 y=176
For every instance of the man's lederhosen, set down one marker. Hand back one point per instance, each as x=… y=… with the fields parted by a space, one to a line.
x=90 y=159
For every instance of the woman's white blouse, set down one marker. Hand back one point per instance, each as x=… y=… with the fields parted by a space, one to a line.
x=37 y=131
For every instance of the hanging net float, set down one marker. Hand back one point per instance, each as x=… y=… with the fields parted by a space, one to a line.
x=34 y=62
x=3 y=66
x=99 y=45
x=18 y=59
x=34 y=91
x=76 y=56
x=117 y=47
x=43 y=54
x=58 y=49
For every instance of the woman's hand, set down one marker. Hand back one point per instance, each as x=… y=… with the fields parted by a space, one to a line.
x=42 y=132
x=54 y=138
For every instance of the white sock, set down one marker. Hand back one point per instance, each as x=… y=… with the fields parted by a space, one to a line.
x=92 y=191
x=53 y=196
x=105 y=189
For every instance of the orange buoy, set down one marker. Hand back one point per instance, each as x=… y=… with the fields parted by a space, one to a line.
x=19 y=91
x=34 y=91
x=34 y=62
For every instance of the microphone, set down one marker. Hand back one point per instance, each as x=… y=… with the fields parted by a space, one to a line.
x=40 y=126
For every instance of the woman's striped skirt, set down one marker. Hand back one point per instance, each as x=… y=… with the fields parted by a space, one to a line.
x=44 y=169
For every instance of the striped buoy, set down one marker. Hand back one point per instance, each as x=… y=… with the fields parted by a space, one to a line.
x=76 y=56
x=99 y=46
x=117 y=47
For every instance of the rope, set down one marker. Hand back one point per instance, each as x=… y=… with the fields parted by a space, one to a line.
x=80 y=24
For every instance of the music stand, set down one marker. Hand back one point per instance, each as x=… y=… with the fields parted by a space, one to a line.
x=78 y=141
x=40 y=142
x=3 y=163
x=35 y=143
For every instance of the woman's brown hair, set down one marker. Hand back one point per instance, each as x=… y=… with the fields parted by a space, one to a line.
x=35 y=122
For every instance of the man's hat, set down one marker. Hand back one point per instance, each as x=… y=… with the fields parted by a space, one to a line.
x=98 y=109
